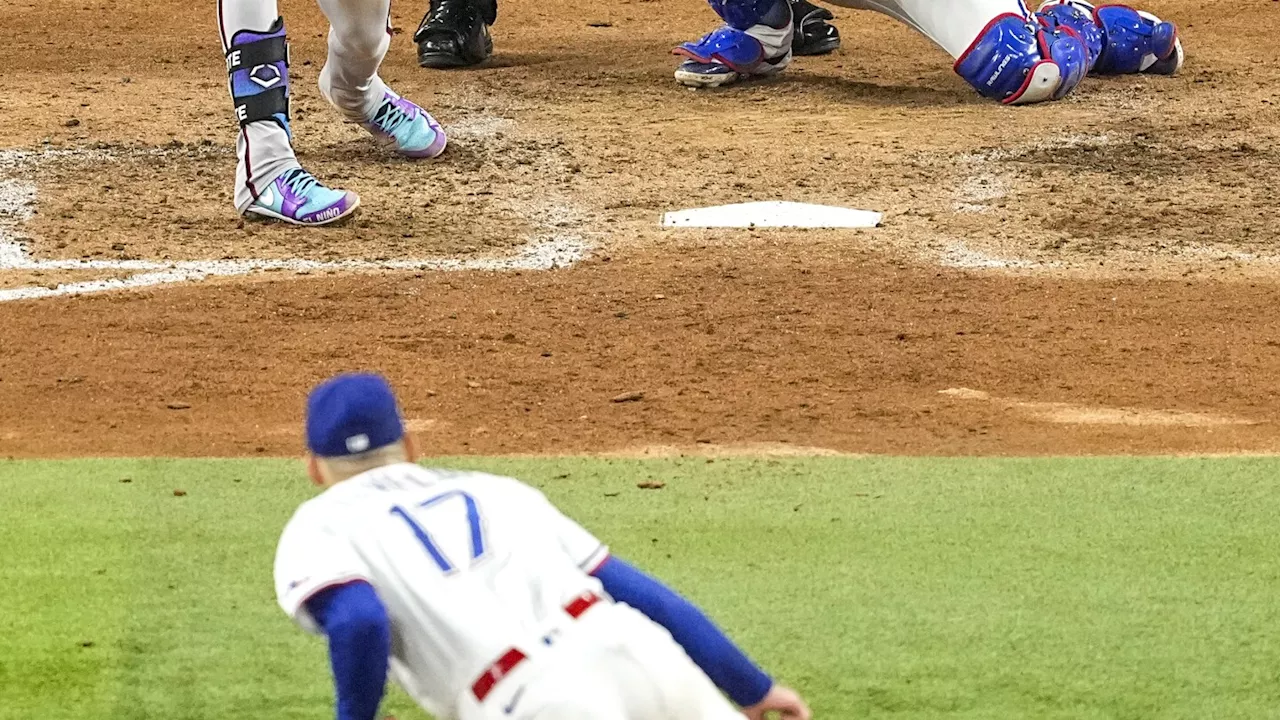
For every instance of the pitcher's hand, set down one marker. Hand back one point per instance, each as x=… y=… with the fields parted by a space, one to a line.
x=782 y=700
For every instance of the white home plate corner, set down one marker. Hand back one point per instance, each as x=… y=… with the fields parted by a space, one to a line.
x=18 y=194
x=772 y=214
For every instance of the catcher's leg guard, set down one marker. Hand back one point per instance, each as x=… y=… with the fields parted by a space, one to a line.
x=1122 y=40
x=1019 y=61
x=755 y=41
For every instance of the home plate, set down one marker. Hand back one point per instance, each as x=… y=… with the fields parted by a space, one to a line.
x=775 y=214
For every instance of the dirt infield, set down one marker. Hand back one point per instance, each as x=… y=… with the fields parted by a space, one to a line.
x=1092 y=276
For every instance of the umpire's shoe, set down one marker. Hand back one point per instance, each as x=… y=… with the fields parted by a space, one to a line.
x=455 y=33
x=814 y=35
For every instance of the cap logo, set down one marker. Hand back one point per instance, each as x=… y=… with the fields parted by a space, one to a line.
x=358 y=443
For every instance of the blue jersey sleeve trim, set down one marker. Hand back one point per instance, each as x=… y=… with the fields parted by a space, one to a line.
x=359 y=632
x=727 y=666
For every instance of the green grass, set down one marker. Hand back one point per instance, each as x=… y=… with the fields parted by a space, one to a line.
x=1117 y=588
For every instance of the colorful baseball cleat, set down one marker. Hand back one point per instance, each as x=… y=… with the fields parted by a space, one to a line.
x=296 y=197
x=406 y=128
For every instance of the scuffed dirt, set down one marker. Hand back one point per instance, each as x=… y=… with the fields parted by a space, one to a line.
x=1107 y=262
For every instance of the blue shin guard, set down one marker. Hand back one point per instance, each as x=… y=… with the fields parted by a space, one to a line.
x=1136 y=42
x=1121 y=40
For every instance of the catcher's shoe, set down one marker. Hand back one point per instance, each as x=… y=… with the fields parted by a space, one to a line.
x=296 y=197
x=406 y=128
x=714 y=73
x=728 y=54
x=455 y=33
x=814 y=34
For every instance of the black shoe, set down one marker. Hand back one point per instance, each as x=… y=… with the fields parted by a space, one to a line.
x=455 y=33
x=814 y=35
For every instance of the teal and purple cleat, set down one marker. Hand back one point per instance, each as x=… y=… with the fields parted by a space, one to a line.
x=297 y=197
x=406 y=128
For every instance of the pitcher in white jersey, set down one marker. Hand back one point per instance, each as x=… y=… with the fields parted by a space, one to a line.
x=1003 y=50
x=480 y=598
x=270 y=183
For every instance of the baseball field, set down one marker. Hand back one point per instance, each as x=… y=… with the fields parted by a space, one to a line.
x=884 y=587
x=1009 y=455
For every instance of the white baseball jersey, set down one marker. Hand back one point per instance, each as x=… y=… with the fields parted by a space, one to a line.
x=467 y=564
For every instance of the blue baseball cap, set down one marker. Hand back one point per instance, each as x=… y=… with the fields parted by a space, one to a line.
x=351 y=414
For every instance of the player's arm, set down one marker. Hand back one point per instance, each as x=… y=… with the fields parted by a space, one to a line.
x=324 y=587
x=355 y=622
x=709 y=648
x=727 y=666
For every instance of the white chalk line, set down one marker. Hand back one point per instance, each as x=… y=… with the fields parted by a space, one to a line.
x=548 y=250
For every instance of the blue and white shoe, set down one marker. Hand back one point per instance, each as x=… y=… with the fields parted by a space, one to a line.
x=728 y=55
x=406 y=128
x=296 y=197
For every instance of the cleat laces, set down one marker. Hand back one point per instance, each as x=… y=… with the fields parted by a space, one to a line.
x=300 y=181
x=390 y=117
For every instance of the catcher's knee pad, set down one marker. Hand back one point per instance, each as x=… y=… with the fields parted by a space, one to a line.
x=1019 y=61
x=258 y=68
x=1121 y=40
x=742 y=14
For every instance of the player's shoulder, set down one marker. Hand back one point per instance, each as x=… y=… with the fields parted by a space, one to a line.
x=310 y=515
x=483 y=484
x=475 y=479
x=317 y=513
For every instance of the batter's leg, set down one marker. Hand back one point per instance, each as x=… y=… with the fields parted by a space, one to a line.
x=359 y=36
x=269 y=181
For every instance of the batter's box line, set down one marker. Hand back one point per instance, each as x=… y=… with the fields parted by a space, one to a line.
x=18 y=197
x=538 y=255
